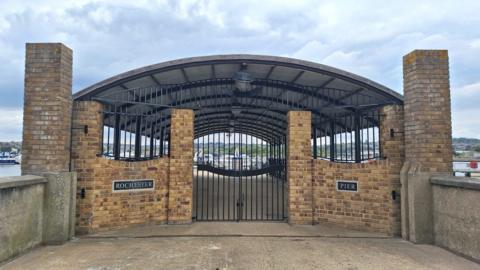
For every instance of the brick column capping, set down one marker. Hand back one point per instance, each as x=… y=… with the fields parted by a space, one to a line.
x=428 y=138
x=47 y=108
x=180 y=194
x=299 y=167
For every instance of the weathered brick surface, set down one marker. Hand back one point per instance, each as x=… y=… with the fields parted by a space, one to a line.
x=101 y=209
x=181 y=163
x=372 y=208
x=428 y=129
x=369 y=209
x=313 y=197
x=299 y=169
x=47 y=108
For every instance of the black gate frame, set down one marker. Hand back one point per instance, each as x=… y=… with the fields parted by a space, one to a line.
x=244 y=192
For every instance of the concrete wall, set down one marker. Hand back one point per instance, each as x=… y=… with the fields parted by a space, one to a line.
x=35 y=210
x=21 y=214
x=456 y=215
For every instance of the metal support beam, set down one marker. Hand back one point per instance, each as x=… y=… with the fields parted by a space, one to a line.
x=314 y=142
x=270 y=72
x=161 y=141
x=138 y=137
x=297 y=76
x=332 y=140
x=357 y=137
x=155 y=80
x=213 y=74
x=185 y=76
x=116 y=137
x=152 y=134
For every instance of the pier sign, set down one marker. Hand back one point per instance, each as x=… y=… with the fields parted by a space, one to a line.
x=133 y=185
x=347 y=185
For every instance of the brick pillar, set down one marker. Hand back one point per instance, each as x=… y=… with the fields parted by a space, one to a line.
x=180 y=185
x=428 y=124
x=85 y=147
x=47 y=108
x=428 y=137
x=299 y=167
x=393 y=150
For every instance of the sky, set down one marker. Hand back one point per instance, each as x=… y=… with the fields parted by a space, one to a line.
x=368 y=38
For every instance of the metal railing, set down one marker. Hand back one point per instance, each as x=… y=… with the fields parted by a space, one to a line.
x=352 y=137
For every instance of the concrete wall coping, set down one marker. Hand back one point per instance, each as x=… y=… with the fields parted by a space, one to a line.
x=455 y=181
x=20 y=181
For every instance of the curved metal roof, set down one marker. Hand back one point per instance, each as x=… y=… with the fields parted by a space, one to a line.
x=212 y=86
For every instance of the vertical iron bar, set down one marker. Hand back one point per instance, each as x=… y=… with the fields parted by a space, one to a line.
x=332 y=141
x=208 y=175
x=196 y=179
x=116 y=136
x=368 y=138
x=218 y=176
x=251 y=178
x=138 y=136
x=315 y=142
x=229 y=179
x=152 y=128
x=235 y=202
x=161 y=142
x=223 y=187
x=277 y=174
x=203 y=174
x=272 y=149
x=357 y=137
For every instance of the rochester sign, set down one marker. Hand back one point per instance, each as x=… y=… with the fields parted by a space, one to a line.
x=344 y=185
x=133 y=185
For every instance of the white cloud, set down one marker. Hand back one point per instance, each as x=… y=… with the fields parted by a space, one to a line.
x=112 y=36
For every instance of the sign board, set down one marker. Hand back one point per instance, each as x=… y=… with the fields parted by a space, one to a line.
x=347 y=185
x=133 y=185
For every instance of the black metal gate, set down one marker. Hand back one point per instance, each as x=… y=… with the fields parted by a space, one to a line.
x=239 y=177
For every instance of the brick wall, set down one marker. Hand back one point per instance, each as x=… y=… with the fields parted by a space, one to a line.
x=299 y=169
x=372 y=208
x=369 y=209
x=101 y=209
x=428 y=127
x=313 y=197
x=47 y=108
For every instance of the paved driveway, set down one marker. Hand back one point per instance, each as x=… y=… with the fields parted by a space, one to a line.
x=239 y=246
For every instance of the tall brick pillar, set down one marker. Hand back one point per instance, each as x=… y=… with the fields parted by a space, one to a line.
x=47 y=116
x=180 y=194
x=47 y=108
x=299 y=167
x=428 y=137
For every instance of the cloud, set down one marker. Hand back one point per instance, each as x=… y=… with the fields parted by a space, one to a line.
x=113 y=36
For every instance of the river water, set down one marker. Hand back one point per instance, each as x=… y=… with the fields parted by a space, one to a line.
x=14 y=170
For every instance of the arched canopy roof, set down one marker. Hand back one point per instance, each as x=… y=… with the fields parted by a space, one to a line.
x=247 y=93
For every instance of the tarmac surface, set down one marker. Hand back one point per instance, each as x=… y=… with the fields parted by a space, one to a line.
x=238 y=246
